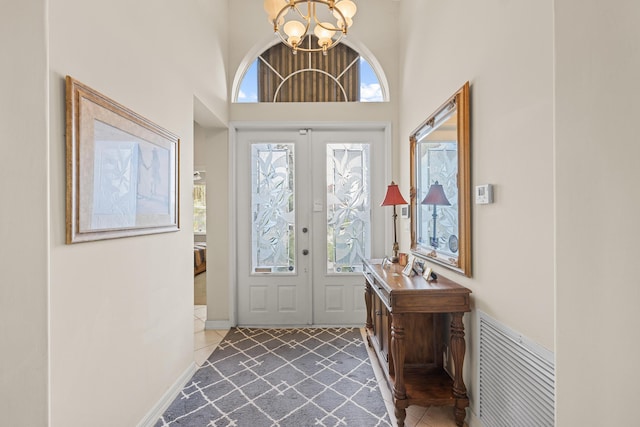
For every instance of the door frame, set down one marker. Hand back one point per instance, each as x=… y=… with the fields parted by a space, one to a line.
x=234 y=127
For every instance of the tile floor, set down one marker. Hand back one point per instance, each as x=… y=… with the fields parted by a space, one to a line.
x=205 y=341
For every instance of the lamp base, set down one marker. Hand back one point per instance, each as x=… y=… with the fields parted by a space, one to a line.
x=394 y=258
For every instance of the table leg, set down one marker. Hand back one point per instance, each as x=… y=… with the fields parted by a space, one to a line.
x=458 y=348
x=401 y=415
x=398 y=352
x=368 y=295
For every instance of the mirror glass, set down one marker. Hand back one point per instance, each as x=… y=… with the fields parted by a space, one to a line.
x=440 y=186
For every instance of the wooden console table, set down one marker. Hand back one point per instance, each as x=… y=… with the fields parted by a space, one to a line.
x=406 y=325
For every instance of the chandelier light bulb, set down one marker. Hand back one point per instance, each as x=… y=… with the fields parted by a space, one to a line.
x=294 y=29
x=323 y=33
x=273 y=7
x=347 y=7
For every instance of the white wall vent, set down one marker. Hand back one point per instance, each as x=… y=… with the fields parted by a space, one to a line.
x=517 y=379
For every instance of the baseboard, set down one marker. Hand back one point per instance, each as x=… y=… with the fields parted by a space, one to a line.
x=217 y=324
x=158 y=409
x=472 y=419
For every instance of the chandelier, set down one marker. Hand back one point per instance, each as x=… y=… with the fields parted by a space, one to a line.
x=292 y=24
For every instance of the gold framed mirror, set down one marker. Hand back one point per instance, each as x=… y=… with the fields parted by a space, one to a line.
x=441 y=186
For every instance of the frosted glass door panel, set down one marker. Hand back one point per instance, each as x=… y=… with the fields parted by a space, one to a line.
x=272 y=208
x=348 y=207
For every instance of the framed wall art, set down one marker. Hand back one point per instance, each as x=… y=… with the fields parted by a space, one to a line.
x=122 y=170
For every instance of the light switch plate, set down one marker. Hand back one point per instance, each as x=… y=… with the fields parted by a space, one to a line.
x=484 y=194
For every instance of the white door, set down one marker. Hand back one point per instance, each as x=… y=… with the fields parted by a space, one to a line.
x=307 y=207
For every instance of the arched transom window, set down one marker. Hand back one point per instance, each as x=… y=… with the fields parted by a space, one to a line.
x=277 y=75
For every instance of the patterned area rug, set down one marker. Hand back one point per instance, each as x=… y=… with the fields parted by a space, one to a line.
x=283 y=377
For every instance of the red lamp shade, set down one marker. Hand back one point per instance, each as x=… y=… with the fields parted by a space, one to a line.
x=436 y=196
x=393 y=196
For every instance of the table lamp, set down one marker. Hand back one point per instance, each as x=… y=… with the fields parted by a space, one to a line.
x=394 y=198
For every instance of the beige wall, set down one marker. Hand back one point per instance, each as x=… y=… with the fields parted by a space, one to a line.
x=218 y=238
x=24 y=261
x=505 y=51
x=122 y=310
x=598 y=207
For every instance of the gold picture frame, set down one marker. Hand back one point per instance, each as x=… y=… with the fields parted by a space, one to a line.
x=122 y=170
x=441 y=185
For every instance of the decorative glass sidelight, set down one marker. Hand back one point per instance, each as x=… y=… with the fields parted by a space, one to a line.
x=348 y=207
x=273 y=208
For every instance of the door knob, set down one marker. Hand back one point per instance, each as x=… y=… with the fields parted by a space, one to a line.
x=305 y=252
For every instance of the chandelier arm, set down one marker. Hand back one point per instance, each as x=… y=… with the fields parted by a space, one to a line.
x=336 y=29
x=311 y=12
x=276 y=26
x=332 y=9
x=294 y=6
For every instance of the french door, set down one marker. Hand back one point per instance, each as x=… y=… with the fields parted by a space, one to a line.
x=307 y=213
